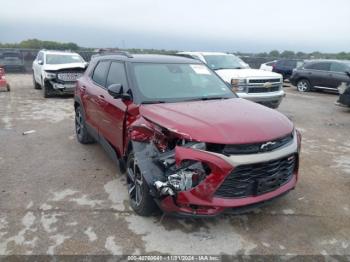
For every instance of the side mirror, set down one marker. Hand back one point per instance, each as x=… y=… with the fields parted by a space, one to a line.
x=348 y=73
x=40 y=62
x=116 y=91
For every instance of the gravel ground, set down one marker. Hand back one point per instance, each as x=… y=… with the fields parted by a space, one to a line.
x=60 y=197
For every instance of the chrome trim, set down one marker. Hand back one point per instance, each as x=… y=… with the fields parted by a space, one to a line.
x=327 y=88
x=237 y=160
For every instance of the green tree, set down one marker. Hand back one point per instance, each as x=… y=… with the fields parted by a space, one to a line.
x=274 y=53
x=287 y=54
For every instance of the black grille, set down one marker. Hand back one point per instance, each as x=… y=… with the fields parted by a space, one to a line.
x=263 y=89
x=257 y=147
x=257 y=179
x=261 y=81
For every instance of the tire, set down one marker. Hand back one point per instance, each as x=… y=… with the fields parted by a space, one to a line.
x=303 y=85
x=139 y=194
x=47 y=93
x=35 y=84
x=81 y=131
x=8 y=88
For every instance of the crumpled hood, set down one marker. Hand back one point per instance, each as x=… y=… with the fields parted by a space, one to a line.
x=230 y=121
x=228 y=74
x=64 y=66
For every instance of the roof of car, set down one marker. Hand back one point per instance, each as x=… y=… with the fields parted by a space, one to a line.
x=326 y=60
x=148 y=58
x=59 y=52
x=202 y=53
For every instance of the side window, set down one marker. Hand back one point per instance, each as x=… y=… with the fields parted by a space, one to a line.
x=338 y=67
x=117 y=75
x=323 y=66
x=100 y=73
x=290 y=63
x=40 y=56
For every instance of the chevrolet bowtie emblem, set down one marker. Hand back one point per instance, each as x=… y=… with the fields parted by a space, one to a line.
x=267 y=145
x=267 y=84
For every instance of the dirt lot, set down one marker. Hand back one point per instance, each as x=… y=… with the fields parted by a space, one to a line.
x=60 y=197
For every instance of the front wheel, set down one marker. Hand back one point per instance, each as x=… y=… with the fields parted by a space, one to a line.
x=303 y=85
x=8 y=88
x=139 y=194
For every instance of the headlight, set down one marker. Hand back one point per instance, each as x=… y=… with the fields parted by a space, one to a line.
x=342 y=88
x=49 y=75
x=238 y=84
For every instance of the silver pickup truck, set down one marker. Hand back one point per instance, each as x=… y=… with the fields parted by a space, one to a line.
x=260 y=86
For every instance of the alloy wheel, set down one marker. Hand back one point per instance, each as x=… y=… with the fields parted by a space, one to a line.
x=78 y=122
x=303 y=86
x=135 y=181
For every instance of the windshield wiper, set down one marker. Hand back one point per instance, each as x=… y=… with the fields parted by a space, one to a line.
x=208 y=98
x=152 y=102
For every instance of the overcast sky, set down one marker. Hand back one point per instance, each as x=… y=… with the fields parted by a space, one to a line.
x=223 y=25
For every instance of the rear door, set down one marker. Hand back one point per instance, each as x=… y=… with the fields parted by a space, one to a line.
x=338 y=70
x=94 y=91
x=319 y=74
x=113 y=111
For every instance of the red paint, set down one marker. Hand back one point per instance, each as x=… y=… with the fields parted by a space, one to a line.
x=3 y=82
x=231 y=121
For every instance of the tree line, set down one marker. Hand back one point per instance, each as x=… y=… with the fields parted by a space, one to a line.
x=274 y=54
x=300 y=55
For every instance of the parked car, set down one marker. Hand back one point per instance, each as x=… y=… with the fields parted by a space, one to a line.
x=3 y=81
x=12 y=61
x=344 y=93
x=285 y=67
x=253 y=84
x=321 y=74
x=55 y=72
x=188 y=144
x=268 y=66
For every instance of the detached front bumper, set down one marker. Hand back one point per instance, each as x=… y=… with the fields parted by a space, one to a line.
x=60 y=87
x=203 y=200
x=274 y=98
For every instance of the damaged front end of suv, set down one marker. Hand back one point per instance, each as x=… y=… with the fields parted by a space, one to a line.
x=61 y=81
x=196 y=178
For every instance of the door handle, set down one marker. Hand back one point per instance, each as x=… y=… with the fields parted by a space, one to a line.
x=101 y=96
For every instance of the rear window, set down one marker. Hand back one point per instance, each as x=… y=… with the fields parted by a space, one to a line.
x=339 y=67
x=323 y=66
x=100 y=73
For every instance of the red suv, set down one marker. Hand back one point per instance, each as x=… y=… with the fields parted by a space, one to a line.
x=187 y=143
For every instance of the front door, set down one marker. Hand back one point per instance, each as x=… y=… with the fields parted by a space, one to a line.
x=113 y=111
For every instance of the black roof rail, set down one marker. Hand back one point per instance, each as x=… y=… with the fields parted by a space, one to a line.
x=108 y=52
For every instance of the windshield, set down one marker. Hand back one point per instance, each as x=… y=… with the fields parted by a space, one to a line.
x=217 y=62
x=63 y=59
x=178 y=82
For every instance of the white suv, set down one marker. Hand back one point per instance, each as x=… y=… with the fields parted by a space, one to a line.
x=253 y=84
x=56 y=71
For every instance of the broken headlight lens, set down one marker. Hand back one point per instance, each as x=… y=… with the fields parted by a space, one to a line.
x=49 y=75
x=182 y=179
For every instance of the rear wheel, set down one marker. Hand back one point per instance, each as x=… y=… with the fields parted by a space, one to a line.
x=303 y=85
x=140 y=199
x=81 y=131
x=8 y=88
